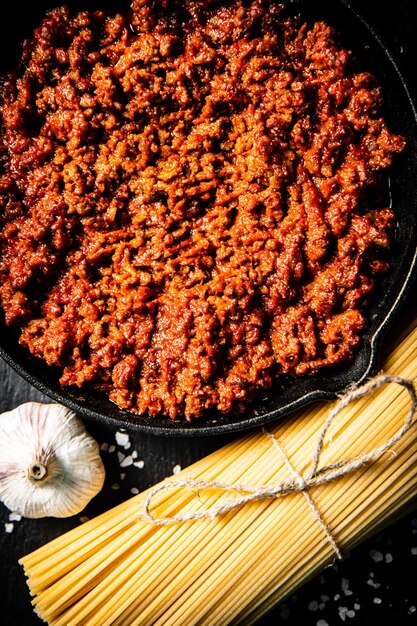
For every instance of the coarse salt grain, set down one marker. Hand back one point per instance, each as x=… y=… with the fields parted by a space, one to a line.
x=135 y=491
x=322 y=622
x=350 y=613
x=8 y=527
x=120 y=456
x=115 y=486
x=176 y=469
x=373 y=584
x=345 y=587
x=356 y=606
x=134 y=454
x=112 y=449
x=376 y=556
x=377 y=600
x=139 y=464
x=122 y=476
x=127 y=461
x=414 y=551
x=313 y=606
x=412 y=610
x=122 y=439
x=388 y=558
x=104 y=447
x=15 y=517
x=342 y=612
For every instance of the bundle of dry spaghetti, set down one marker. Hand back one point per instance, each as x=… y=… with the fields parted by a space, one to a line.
x=250 y=548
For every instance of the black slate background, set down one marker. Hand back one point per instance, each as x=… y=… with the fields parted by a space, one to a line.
x=373 y=591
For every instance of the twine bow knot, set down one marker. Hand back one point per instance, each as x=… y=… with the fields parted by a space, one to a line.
x=314 y=477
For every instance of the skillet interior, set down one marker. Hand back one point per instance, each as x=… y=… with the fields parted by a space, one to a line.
x=400 y=114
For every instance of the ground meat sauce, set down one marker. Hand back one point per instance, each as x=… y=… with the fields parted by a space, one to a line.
x=185 y=209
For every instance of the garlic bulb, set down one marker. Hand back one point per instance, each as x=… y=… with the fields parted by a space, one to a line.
x=49 y=464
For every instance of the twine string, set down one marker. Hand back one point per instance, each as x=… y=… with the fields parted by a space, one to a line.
x=307 y=496
x=314 y=477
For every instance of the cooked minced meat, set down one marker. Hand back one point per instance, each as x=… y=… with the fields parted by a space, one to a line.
x=185 y=201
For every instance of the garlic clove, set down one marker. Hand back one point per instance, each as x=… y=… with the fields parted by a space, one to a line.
x=49 y=465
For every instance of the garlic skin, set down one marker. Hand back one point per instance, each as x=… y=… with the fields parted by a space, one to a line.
x=49 y=465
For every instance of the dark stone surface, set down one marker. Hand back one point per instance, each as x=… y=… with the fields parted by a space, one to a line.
x=375 y=584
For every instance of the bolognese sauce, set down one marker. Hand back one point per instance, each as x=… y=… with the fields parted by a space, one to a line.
x=189 y=201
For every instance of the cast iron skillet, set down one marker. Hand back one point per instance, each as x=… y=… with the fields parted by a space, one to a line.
x=358 y=36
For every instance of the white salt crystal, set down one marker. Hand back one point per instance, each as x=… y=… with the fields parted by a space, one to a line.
x=8 y=527
x=345 y=587
x=313 y=606
x=337 y=597
x=135 y=491
x=139 y=464
x=112 y=449
x=322 y=622
x=414 y=551
x=350 y=613
x=377 y=600
x=127 y=461
x=356 y=606
x=388 y=558
x=104 y=447
x=342 y=612
x=376 y=556
x=120 y=456
x=412 y=610
x=373 y=584
x=121 y=438
x=176 y=469
x=15 y=517
x=134 y=454
x=122 y=476
x=115 y=486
